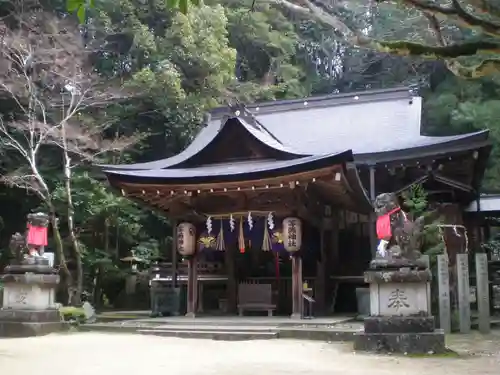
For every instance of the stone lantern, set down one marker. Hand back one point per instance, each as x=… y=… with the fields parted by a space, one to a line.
x=30 y=282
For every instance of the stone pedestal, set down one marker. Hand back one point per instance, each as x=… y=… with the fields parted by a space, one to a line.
x=400 y=319
x=29 y=300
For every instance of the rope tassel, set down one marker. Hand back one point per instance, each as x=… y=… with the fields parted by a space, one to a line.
x=241 y=238
x=266 y=242
x=220 y=245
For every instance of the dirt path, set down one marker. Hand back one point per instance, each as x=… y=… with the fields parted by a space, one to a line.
x=122 y=354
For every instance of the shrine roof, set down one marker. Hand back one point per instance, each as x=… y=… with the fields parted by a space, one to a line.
x=378 y=126
x=245 y=170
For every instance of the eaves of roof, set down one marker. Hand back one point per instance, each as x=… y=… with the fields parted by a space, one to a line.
x=230 y=171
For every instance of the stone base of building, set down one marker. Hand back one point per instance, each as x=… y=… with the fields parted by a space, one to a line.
x=400 y=334
x=26 y=323
x=399 y=324
x=403 y=343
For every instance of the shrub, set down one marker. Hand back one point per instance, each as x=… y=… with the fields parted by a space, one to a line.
x=74 y=315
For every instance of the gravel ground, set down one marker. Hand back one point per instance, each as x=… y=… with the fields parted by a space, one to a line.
x=124 y=354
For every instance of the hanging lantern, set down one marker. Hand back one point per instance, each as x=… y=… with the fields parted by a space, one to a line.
x=186 y=238
x=292 y=234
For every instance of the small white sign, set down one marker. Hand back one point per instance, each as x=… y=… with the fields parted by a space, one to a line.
x=50 y=258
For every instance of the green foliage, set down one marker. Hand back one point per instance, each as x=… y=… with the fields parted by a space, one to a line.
x=457 y=106
x=80 y=8
x=415 y=200
x=492 y=246
x=71 y=314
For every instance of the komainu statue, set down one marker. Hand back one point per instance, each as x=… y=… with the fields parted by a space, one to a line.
x=400 y=236
x=17 y=246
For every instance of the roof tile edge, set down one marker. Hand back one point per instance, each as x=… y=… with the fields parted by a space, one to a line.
x=322 y=101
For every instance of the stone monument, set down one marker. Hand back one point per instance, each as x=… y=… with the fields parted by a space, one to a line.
x=29 y=307
x=400 y=318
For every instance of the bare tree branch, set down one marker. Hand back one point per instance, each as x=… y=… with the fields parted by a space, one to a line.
x=455 y=13
x=45 y=71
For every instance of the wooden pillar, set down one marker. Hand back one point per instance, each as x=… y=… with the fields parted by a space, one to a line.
x=333 y=262
x=486 y=232
x=232 y=285
x=373 y=234
x=321 y=278
x=297 y=285
x=192 y=286
x=174 y=254
x=329 y=257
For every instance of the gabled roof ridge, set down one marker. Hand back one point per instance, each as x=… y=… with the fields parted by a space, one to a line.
x=261 y=125
x=329 y=100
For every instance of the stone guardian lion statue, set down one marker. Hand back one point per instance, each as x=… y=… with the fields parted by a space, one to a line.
x=399 y=235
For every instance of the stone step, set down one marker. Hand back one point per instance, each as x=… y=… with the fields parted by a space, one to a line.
x=109 y=327
x=319 y=334
x=219 y=328
x=342 y=333
x=211 y=334
x=246 y=322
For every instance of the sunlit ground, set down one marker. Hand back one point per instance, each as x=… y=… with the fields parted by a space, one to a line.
x=124 y=354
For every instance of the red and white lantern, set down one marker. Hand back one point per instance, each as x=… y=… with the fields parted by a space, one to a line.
x=186 y=239
x=292 y=234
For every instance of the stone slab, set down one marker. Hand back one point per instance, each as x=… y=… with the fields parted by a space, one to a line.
x=319 y=334
x=28 y=329
x=399 y=324
x=397 y=263
x=483 y=295
x=47 y=280
x=214 y=335
x=29 y=316
x=427 y=260
x=20 y=296
x=33 y=268
x=464 y=311
x=398 y=299
x=398 y=276
x=444 y=293
x=404 y=343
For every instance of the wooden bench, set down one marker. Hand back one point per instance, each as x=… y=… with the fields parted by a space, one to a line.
x=255 y=297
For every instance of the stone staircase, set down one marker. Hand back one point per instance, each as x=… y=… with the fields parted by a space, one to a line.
x=232 y=329
x=229 y=333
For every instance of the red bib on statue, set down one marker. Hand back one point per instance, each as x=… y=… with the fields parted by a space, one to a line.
x=37 y=236
x=384 y=231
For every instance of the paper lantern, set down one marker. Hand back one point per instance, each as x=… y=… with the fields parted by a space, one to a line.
x=292 y=234
x=186 y=238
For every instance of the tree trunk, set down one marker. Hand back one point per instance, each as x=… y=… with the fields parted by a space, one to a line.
x=76 y=298
x=63 y=266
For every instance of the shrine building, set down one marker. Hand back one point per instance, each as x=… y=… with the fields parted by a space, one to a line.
x=272 y=202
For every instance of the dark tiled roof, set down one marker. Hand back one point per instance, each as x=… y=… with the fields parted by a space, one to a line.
x=233 y=171
x=377 y=126
x=365 y=127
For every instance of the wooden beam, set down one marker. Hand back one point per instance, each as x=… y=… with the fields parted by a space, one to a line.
x=174 y=254
x=274 y=182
